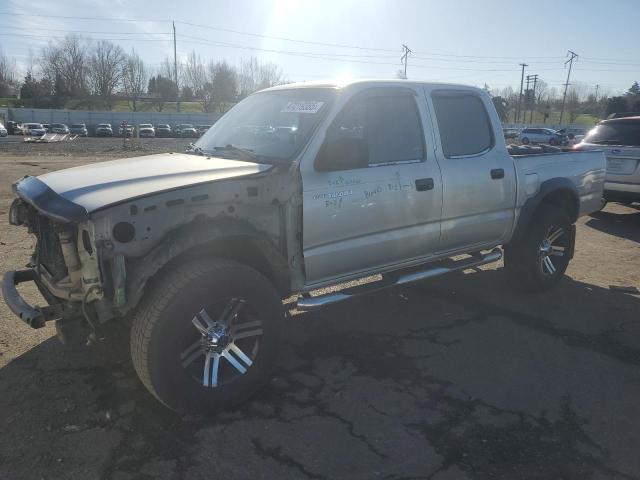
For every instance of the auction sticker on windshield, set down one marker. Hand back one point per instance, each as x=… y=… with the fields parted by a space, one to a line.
x=302 y=107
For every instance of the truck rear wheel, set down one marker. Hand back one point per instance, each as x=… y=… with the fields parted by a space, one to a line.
x=206 y=336
x=538 y=260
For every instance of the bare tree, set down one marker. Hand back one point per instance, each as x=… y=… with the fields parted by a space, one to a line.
x=64 y=64
x=576 y=96
x=194 y=73
x=106 y=68
x=254 y=75
x=7 y=75
x=134 y=79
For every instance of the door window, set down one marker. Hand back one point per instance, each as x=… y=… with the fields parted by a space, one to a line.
x=463 y=122
x=390 y=124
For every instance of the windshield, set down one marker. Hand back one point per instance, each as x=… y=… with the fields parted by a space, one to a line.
x=77 y=125
x=618 y=133
x=274 y=124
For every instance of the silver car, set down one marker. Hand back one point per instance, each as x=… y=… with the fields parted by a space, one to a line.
x=33 y=129
x=3 y=131
x=58 y=128
x=540 y=135
x=620 y=140
x=146 y=130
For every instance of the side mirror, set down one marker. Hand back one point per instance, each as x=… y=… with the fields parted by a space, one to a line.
x=346 y=153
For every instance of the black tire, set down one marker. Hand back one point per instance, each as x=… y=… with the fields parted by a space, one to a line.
x=525 y=141
x=163 y=330
x=524 y=259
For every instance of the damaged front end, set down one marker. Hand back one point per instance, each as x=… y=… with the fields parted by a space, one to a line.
x=64 y=264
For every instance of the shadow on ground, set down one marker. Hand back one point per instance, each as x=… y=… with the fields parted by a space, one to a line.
x=623 y=225
x=450 y=380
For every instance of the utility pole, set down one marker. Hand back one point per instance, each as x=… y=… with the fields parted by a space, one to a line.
x=574 y=55
x=596 y=99
x=520 y=97
x=526 y=102
x=175 y=68
x=533 y=97
x=405 y=57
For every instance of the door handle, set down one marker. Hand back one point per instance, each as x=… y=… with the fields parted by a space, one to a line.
x=423 y=184
x=497 y=173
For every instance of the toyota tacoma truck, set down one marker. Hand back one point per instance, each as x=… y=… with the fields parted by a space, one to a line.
x=295 y=189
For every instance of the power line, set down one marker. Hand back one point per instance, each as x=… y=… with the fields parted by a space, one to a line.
x=317 y=55
x=257 y=35
x=88 y=31
x=97 y=19
x=25 y=35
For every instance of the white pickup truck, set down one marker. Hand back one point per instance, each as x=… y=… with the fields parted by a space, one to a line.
x=297 y=187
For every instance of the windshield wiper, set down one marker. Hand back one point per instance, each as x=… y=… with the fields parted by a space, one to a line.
x=247 y=152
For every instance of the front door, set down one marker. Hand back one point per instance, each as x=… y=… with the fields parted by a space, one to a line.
x=387 y=211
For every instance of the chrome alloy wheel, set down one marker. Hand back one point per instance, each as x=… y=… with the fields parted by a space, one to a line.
x=551 y=246
x=229 y=345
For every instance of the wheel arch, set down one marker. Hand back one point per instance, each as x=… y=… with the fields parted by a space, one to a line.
x=234 y=239
x=559 y=192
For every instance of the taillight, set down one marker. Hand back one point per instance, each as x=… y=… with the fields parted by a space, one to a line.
x=577 y=146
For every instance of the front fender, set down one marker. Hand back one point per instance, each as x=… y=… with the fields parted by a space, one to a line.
x=191 y=237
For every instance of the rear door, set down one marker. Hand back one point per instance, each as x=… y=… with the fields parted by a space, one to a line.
x=381 y=215
x=478 y=175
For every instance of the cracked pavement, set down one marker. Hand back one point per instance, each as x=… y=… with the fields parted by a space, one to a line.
x=456 y=378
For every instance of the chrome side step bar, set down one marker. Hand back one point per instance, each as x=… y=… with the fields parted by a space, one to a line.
x=309 y=303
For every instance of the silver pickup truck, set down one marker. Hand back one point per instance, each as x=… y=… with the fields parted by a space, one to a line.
x=296 y=188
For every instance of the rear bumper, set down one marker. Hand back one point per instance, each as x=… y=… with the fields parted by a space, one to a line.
x=624 y=192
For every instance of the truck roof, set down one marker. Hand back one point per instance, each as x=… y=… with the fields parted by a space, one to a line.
x=339 y=84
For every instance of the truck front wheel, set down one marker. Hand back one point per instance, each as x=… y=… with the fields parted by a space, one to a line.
x=538 y=259
x=206 y=336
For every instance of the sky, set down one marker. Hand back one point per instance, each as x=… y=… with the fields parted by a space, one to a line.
x=462 y=41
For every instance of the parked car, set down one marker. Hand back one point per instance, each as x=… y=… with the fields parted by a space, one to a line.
x=163 y=130
x=510 y=133
x=619 y=138
x=540 y=135
x=104 y=130
x=198 y=254
x=3 y=131
x=201 y=129
x=33 y=129
x=14 y=128
x=46 y=127
x=58 y=128
x=185 y=130
x=127 y=130
x=79 y=129
x=146 y=130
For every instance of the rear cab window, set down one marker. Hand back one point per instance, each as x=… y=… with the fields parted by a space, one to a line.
x=463 y=122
